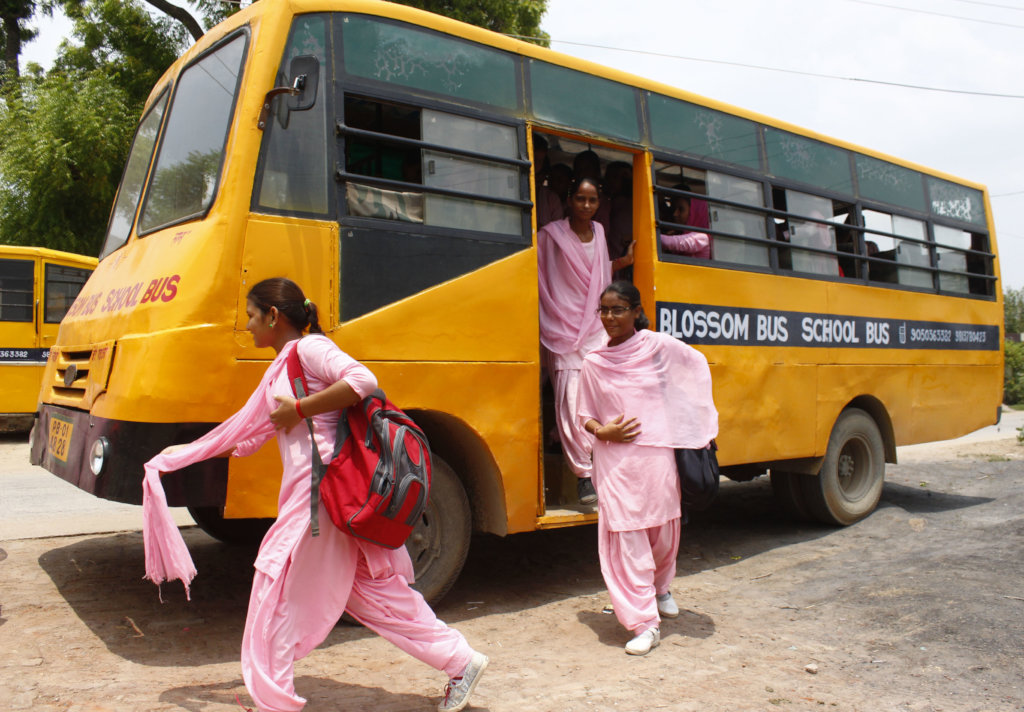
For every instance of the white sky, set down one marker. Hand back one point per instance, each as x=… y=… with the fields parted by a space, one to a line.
x=975 y=137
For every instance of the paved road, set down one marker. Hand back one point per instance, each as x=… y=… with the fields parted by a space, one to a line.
x=34 y=503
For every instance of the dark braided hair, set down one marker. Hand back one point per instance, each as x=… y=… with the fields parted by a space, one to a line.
x=292 y=304
x=629 y=293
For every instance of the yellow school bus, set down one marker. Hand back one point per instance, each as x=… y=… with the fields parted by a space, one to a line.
x=37 y=287
x=383 y=158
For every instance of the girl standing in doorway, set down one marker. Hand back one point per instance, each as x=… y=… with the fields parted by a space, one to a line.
x=573 y=267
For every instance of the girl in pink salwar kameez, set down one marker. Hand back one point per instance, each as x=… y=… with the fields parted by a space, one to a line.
x=302 y=583
x=573 y=267
x=641 y=396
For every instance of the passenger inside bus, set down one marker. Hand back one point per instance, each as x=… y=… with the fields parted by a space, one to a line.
x=549 y=203
x=617 y=218
x=691 y=212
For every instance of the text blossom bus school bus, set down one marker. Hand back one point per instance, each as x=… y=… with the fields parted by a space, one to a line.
x=381 y=157
x=37 y=287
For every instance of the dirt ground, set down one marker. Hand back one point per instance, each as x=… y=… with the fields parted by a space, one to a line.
x=920 y=607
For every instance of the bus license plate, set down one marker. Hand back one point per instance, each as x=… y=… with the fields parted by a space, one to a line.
x=60 y=437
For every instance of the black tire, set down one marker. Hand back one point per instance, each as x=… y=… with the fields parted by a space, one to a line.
x=789 y=494
x=850 y=482
x=230 y=531
x=440 y=542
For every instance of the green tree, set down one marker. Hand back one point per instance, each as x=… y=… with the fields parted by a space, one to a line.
x=1013 y=310
x=13 y=15
x=123 y=42
x=1013 y=385
x=510 y=17
x=64 y=135
x=64 y=142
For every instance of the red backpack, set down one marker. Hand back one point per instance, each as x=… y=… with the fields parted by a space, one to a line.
x=376 y=485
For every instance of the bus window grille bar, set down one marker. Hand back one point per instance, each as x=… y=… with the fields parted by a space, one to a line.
x=345 y=176
x=342 y=130
x=783 y=215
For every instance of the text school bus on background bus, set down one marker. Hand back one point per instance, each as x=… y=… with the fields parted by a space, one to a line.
x=382 y=158
x=37 y=287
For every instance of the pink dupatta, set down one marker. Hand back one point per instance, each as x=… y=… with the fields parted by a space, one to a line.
x=167 y=557
x=570 y=285
x=657 y=379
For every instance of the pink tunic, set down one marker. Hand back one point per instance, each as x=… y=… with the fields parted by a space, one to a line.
x=570 y=279
x=248 y=429
x=572 y=276
x=666 y=385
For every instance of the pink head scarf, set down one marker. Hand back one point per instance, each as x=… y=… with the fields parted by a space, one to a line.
x=657 y=379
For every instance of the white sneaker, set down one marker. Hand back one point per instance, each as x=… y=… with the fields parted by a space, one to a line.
x=667 y=606
x=644 y=643
x=458 y=689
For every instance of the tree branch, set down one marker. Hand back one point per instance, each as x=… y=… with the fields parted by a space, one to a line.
x=181 y=15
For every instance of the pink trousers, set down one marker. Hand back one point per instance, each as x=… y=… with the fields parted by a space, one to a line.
x=576 y=442
x=637 y=566
x=292 y=614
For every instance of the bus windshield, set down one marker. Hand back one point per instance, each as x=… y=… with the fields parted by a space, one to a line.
x=134 y=176
x=184 y=178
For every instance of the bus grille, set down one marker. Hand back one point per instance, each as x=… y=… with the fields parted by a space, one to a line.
x=79 y=375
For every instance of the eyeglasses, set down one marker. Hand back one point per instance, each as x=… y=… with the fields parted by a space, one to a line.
x=614 y=311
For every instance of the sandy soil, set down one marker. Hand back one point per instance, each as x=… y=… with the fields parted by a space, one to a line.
x=919 y=608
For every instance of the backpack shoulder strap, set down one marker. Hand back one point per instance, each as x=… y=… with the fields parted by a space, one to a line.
x=296 y=376
x=297 y=379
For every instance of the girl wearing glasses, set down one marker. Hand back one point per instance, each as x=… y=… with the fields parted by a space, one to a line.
x=573 y=266
x=641 y=373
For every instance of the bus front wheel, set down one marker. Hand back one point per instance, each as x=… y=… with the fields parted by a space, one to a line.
x=230 y=531
x=440 y=542
x=850 y=482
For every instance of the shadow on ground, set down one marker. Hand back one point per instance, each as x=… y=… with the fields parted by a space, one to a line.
x=101 y=577
x=322 y=694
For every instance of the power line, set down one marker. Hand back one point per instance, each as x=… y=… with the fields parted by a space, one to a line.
x=919 y=87
x=937 y=14
x=991 y=4
x=1003 y=195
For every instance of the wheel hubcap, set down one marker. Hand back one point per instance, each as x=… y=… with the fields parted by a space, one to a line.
x=854 y=468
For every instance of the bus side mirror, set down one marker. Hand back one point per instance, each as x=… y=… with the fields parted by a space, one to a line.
x=305 y=78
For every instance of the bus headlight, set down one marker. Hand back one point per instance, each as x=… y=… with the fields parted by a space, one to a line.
x=98 y=455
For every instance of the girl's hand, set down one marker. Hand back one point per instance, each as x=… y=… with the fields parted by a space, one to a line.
x=619 y=430
x=171 y=449
x=285 y=416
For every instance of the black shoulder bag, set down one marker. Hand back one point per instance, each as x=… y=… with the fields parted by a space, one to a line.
x=698 y=477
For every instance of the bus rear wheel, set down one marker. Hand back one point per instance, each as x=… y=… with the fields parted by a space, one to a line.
x=849 y=485
x=439 y=544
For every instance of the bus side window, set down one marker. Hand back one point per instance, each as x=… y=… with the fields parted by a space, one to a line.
x=809 y=235
x=684 y=213
x=906 y=262
x=407 y=168
x=16 y=280
x=295 y=172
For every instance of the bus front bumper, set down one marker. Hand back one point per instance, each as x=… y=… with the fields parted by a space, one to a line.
x=63 y=438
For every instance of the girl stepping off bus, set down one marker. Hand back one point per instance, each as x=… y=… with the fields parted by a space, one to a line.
x=648 y=375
